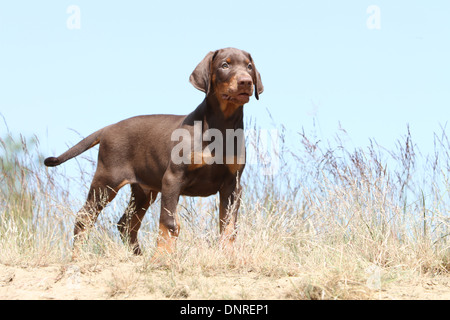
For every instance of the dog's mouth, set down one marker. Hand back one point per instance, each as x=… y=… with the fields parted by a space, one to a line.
x=241 y=97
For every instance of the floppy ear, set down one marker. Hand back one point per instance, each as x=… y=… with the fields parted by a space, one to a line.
x=259 y=88
x=201 y=76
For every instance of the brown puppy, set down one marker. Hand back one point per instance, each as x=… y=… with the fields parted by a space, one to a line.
x=144 y=151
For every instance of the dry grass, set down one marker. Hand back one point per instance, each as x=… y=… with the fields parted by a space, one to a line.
x=333 y=223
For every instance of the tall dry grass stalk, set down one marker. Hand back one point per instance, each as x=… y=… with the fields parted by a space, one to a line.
x=333 y=216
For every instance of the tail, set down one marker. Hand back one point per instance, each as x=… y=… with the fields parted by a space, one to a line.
x=77 y=149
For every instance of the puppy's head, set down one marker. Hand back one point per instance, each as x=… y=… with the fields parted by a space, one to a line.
x=230 y=74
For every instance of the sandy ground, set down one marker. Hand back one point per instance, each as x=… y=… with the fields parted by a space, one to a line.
x=127 y=280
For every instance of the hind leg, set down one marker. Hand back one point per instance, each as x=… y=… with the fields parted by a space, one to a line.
x=101 y=192
x=131 y=220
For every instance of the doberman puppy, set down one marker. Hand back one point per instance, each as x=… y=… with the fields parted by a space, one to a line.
x=140 y=151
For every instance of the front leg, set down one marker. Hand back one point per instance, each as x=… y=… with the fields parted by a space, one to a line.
x=169 y=226
x=230 y=197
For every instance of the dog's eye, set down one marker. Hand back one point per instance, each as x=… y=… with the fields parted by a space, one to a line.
x=250 y=67
x=225 y=65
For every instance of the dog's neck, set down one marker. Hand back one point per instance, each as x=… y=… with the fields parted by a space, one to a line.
x=223 y=109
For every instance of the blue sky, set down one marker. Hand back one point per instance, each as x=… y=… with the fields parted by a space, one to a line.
x=319 y=61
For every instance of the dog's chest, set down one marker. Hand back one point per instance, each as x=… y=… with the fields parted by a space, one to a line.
x=207 y=180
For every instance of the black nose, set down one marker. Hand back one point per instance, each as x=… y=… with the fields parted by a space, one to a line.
x=245 y=81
